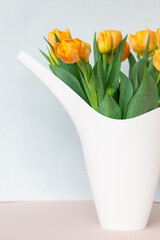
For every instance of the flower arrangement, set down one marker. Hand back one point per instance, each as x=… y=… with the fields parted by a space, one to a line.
x=104 y=86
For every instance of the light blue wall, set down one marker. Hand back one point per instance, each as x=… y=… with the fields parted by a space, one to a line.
x=40 y=152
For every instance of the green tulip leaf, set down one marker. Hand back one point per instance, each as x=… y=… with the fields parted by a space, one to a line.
x=100 y=71
x=86 y=73
x=158 y=90
x=56 y=37
x=45 y=55
x=145 y=99
x=139 y=58
x=51 y=57
x=69 y=80
x=126 y=91
x=90 y=91
x=109 y=67
x=110 y=108
x=152 y=69
x=96 y=51
x=113 y=79
x=99 y=78
x=134 y=77
x=117 y=94
x=142 y=63
x=92 y=88
x=132 y=61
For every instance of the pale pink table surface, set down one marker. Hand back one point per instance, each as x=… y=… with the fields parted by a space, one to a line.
x=72 y=220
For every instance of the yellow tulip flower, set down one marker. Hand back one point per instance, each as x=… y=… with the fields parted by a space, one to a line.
x=109 y=40
x=139 y=41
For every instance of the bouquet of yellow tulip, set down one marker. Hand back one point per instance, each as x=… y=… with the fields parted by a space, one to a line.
x=104 y=86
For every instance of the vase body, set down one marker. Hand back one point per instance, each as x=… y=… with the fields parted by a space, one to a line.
x=122 y=156
x=123 y=164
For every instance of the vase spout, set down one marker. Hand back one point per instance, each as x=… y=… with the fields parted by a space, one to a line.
x=71 y=101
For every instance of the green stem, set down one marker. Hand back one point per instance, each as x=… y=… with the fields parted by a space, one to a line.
x=88 y=86
x=84 y=70
x=158 y=78
x=104 y=59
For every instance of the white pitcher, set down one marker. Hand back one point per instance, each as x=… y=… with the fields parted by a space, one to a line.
x=122 y=156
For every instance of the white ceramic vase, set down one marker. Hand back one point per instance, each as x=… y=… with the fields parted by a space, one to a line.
x=122 y=156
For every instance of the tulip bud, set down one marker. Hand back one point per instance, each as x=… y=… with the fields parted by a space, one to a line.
x=109 y=40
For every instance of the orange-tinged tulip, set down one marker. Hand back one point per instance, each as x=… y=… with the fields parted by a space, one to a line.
x=126 y=52
x=67 y=51
x=61 y=36
x=139 y=41
x=71 y=50
x=158 y=37
x=84 y=49
x=109 y=40
x=156 y=59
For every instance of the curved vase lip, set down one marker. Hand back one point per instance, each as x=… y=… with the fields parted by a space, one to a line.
x=142 y=116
